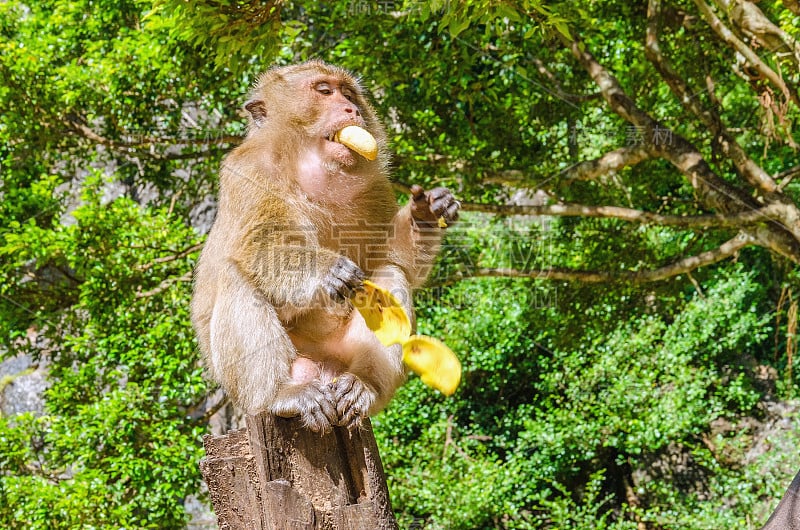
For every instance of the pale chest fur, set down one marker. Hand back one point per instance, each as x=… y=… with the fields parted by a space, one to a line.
x=360 y=228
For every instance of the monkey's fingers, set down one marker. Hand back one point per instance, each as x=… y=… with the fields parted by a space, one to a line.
x=435 y=363
x=343 y=280
x=444 y=206
x=358 y=140
x=450 y=215
x=437 y=194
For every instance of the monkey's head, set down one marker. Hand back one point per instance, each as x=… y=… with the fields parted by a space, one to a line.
x=299 y=108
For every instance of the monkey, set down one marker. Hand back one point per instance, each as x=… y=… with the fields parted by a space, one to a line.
x=302 y=221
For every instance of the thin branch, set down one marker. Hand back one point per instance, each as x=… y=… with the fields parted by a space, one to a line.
x=713 y=191
x=164 y=285
x=173 y=257
x=213 y=410
x=786 y=176
x=754 y=173
x=744 y=218
x=556 y=85
x=734 y=42
x=140 y=146
x=586 y=170
x=682 y=266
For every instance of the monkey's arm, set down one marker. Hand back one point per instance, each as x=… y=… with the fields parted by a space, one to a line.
x=418 y=231
x=253 y=358
x=291 y=270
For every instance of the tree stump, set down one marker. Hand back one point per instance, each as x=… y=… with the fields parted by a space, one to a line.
x=787 y=514
x=276 y=475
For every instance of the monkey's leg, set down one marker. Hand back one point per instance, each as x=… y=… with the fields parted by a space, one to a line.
x=252 y=356
x=375 y=371
x=308 y=395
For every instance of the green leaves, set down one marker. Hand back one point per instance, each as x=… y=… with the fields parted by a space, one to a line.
x=114 y=118
x=114 y=447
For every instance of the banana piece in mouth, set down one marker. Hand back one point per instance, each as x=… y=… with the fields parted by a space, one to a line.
x=358 y=140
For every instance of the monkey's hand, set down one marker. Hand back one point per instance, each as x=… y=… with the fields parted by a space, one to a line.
x=343 y=279
x=437 y=207
x=313 y=401
x=353 y=400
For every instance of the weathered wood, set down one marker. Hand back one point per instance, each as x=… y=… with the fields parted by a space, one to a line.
x=787 y=514
x=276 y=475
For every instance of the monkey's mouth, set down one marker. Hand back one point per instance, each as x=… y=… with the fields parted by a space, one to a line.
x=338 y=152
x=356 y=139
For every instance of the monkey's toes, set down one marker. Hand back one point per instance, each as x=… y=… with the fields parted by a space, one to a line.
x=353 y=400
x=313 y=402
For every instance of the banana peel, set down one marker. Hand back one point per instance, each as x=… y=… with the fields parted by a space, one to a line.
x=435 y=363
x=359 y=140
x=383 y=314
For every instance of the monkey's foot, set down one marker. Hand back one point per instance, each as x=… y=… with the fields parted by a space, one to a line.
x=353 y=400
x=313 y=401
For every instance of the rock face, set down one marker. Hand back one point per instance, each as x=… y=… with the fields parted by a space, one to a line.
x=22 y=383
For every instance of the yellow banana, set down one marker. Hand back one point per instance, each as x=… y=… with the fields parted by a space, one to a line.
x=436 y=364
x=359 y=140
x=383 y=314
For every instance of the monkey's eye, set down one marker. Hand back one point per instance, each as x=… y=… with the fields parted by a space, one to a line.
x=323 y=88
x=348 y=94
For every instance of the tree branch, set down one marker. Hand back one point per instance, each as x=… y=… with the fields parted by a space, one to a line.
x=713 y=191
x=744 y=218
x=609 y=162
x=173 y=257
x=752 y=21
x=138 y=147
x=586 y=170
x=164 y=285
x=557 y=89
x=754 y=173
x=682 y=266
x=785 y=177
x=734 y=42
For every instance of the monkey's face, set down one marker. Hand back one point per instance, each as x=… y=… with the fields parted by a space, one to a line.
x=335 y=103
x=300 y=108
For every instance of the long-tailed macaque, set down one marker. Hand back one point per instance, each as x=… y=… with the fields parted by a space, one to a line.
x=302 y=221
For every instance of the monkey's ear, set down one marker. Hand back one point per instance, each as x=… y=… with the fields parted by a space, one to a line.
x=258 y=111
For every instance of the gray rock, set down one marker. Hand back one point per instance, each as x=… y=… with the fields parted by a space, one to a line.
x=22 y=384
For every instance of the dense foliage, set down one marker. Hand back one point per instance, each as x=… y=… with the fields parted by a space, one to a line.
x=623 y=282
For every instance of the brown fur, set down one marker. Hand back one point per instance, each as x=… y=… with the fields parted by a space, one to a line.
x=291 y=205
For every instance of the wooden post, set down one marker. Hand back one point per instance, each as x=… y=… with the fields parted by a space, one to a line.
x=276 y=475
x=787 y=514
